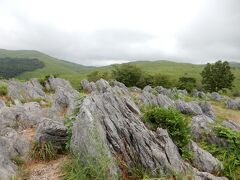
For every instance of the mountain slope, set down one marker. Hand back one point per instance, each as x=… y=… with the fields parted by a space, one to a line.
x=52 y=65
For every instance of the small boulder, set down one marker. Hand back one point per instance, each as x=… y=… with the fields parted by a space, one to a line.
x=203 y=160
x=216 y=96
x=231 y=124
x=52 y=131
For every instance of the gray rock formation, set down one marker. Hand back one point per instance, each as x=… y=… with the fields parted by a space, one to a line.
x=233 y=104
x=207 y=109
x=201 y=125
x=25 y=91
x=191 y=108
x=231 y=124
x=2 y=104
x=203 y=160
x=199 y=94
x=109 y=123
x=52 y=131
x=216 y=96
x=165 y=101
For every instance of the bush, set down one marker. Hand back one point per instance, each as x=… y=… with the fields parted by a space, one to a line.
x=188 y=83
x=162 y=80
x=96 y=75
x=42 y=151
x=127 y=74
x=229 y=156
x=174 y=122
x=145 y=79
x=3 y=89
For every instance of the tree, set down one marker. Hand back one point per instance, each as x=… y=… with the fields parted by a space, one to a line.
x=218 y=76
x=127 y=74
x=162 y=80
x=188 y=83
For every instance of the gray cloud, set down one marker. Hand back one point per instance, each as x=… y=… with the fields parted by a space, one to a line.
x=213 y=34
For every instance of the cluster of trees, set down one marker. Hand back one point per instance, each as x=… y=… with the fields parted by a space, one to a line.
x=11 y=67
x=215 y=77
x=132 y=75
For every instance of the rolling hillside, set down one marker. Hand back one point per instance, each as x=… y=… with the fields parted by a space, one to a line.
x=64 y=69
x=75 y=72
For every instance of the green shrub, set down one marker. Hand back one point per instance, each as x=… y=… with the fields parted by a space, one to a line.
x=174 y=122
x=229 y=156
x=127 y=74
x=42 y=151
x=17 y=160
x=188 y=83
x=96 y=75
x=163 y=80
x=3 y=89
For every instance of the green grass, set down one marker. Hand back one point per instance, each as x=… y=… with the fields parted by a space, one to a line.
x=42 y=151
x=76 y=72
x=3 y=89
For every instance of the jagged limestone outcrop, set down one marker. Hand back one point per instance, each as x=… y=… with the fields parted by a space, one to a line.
x=110 y=119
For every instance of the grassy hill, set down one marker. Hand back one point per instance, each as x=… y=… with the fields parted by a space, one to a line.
x=64 y=69
x=76 y=72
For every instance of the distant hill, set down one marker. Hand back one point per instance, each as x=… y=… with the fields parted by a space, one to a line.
x=76 y=72
x=64 y=69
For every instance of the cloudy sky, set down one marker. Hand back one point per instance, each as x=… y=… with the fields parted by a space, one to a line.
x=100 y=32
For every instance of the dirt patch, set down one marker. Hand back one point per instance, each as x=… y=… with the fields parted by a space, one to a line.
x=46 y=170
x=29 y=133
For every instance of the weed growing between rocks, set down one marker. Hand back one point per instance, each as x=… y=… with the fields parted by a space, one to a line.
x=87 y=169
x=69 y=120
x=3 y=89
x=22 y=173
x=230 y=155
x=87 y=166
x=174 y=122
x=42 y=151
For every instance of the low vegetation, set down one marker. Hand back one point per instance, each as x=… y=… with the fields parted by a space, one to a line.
x=174 y=122
x=3 y=89
x=42 y=151
x=230 y=155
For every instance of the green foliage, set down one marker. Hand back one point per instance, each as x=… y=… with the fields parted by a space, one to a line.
x=11 y=67
x=89 y=169
x=96 y=75
x=17 y=160
x=162 y=80
x=230 y=155
x=188 y=83
x=127 y=74
x=3 y=89
x=42 y=151
x=174 y=122
x=69 y=120
x=218 y=76
x=145 y=79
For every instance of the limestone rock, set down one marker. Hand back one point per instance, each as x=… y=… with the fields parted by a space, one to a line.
x=191 y=108
x=233 y=103
x=231 y=124
x=207 y=109
x=216 y=96
x=203 y=160
x=52 y=131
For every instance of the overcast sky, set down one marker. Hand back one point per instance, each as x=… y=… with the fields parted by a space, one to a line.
x=101 y=32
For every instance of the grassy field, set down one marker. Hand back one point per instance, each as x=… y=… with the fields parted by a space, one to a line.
x=76 y=72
